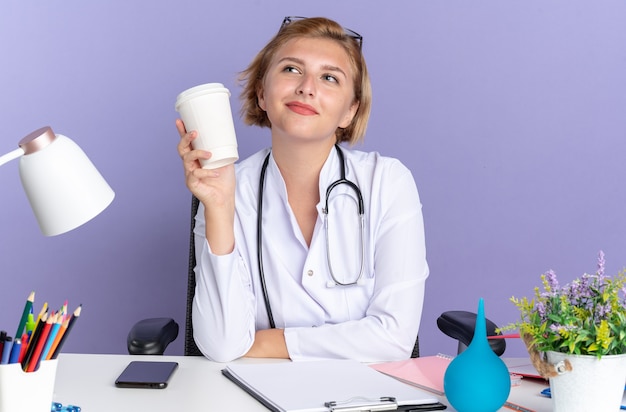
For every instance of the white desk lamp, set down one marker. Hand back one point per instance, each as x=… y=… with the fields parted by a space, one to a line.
x=64 y=188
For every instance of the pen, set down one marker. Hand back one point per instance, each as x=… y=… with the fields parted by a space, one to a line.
x=15 y=351
x=24 y=346
x=3 y=337
x=6 y=350
x=27 y=308
x=516 y=407
x=30 y=323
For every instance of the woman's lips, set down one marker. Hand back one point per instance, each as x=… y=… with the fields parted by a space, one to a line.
x=301 y=108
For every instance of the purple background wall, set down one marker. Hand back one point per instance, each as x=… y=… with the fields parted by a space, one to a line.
x=511 y=115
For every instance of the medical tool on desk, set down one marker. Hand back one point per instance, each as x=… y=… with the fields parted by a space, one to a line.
x=58 y=407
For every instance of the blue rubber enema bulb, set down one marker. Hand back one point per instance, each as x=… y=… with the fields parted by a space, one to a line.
x=477 y=380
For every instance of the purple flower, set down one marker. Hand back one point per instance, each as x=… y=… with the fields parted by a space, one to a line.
x=553 y=282
x=602 y=311
x=601 y=263
x=556 y=328
x=541 y=310
x=577 y=315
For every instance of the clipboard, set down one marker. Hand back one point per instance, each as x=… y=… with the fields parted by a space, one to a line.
x=327 y=385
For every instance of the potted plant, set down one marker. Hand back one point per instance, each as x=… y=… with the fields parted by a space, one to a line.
x=576 y=336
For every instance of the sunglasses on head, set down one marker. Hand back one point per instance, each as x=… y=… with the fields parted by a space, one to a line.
x=356 y=36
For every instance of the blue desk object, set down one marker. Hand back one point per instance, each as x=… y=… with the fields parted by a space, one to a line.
x=477 y=380
x=58 y=407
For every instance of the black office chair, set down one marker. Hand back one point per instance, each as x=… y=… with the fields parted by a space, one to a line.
x=190 y=344
x=460 y=325
x=152 y=336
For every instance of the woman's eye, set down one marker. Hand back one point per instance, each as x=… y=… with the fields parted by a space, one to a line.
x=291 y=69
x=330 y=78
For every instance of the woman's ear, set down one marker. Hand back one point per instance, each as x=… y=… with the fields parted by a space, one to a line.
x=349 y=115
x=260 y=98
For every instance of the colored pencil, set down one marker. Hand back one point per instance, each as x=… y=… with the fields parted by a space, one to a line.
x=32 y=341
x=43 y=310
x=509 y=336
x=52 y=336
x=64 y=311
x=27 y=308
x=58 y=337
x=33 y=363
x=70 y=325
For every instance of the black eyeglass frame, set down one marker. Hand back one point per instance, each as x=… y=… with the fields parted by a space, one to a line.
x=351 y=33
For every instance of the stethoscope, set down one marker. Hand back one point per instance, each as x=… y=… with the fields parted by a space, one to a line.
x=361 y=212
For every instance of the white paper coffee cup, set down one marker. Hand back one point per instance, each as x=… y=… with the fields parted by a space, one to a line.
x=206 y=109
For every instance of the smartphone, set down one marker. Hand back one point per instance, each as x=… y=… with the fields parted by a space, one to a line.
x=146 y=374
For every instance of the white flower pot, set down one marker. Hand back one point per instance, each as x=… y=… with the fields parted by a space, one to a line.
x=592 y=385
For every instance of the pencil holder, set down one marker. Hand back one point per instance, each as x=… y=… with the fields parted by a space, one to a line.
x=27 y=391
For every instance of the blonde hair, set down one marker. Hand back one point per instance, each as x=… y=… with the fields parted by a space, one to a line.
x=317 y=27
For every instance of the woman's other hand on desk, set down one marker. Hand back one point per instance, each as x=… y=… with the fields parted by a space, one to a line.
x=269 y=343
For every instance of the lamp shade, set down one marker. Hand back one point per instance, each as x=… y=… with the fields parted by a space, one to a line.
x=64 y=188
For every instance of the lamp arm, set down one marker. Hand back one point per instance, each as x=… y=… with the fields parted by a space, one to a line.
x=11 y=155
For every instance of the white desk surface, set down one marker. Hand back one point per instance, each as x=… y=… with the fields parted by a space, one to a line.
x=198 y=385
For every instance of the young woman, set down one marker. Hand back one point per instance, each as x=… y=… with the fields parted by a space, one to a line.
x=308 y=249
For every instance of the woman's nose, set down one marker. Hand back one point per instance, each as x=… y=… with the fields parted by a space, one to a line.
x=306 y=86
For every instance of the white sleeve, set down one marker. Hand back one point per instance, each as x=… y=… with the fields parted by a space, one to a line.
x=389 y=329
x=223 y=314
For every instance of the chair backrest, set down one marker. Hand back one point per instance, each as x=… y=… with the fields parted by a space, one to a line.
x=191 y=349
x=416 y=348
